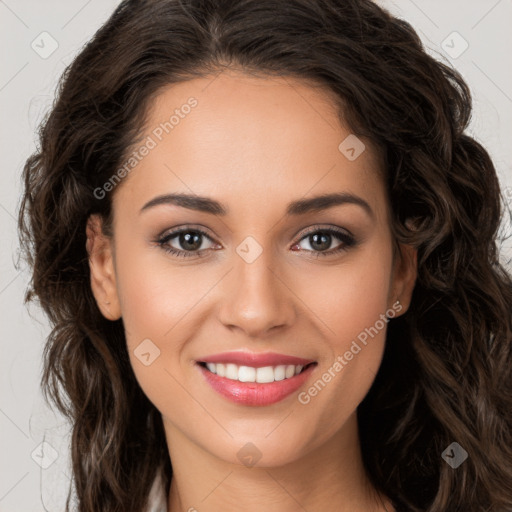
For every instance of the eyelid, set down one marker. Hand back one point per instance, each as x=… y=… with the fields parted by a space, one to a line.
x=185 y=227
x=174 y=232
x=204 y=231
x=337 y=229
x=346 y=238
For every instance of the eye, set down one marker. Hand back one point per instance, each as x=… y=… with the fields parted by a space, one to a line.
x=189 y=240
x=320 y=241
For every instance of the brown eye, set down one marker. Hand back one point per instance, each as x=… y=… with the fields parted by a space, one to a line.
x=320 y=241
x=189 y=241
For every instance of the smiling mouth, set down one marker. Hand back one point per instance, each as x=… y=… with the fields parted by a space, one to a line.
x=261 y=375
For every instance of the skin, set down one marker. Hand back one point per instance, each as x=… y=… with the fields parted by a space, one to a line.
x=254 y=144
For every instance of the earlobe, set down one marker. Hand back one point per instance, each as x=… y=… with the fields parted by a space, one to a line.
x=101 y=265
x=404 y=276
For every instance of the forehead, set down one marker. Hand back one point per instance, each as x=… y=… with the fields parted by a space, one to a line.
x=231 y=135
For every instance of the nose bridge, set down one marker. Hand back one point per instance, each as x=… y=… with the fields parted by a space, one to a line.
x=256 y=299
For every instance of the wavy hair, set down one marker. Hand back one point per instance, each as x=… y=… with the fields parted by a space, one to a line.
x=446 y=374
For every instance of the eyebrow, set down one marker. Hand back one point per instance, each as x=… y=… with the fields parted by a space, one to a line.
x=295 y=208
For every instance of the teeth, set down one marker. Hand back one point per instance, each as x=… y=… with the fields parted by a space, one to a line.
x=279 y=372
x=221 y=369
x=262 y=375
x=246 y=374
x=265 y=374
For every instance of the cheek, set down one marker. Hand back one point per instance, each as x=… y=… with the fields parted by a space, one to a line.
x=155 y=296
x=156 y=314
x=351 y=297
x=352 y=307
x=157 y=306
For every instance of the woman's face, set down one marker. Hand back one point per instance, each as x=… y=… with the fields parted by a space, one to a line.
x=265 y=276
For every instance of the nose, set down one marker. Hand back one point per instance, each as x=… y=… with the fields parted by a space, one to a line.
x=256 y=298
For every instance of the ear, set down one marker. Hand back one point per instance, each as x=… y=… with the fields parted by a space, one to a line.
x=101 y=264
x=405 y=272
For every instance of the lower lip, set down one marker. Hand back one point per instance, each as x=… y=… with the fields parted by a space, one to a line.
x=254 y=393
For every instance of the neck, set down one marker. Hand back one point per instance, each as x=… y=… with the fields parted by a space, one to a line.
x=330 y=477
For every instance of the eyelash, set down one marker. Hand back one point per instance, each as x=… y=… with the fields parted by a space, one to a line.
x=347 y=240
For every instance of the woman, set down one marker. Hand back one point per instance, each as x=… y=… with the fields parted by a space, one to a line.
x=269 y=253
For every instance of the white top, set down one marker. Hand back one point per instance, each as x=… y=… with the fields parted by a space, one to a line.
x=157 y=496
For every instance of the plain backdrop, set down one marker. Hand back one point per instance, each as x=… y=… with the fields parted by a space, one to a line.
x=38 y=39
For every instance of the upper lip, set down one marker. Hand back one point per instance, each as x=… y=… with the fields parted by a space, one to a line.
x=256 y=360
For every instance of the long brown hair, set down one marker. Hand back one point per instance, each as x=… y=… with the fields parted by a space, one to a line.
x=446 y=375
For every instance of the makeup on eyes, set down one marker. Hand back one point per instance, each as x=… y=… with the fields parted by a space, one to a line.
x=313 y=235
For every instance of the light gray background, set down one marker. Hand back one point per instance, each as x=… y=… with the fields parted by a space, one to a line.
x=27 y=84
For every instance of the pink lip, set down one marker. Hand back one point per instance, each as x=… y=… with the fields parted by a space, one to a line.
x=255 y=360
x=254 y=393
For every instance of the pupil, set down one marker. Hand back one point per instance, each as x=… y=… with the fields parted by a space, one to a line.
x=189 y=241
x=322 y=241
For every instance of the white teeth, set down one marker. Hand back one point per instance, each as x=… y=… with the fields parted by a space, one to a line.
x=290 y=371
x=262 y=375
x=231 y=371
x=265 y=374
x=279 y=372
x=221 y=370
x=246 y=374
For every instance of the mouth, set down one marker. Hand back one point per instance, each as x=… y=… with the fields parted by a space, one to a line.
x=255 y=386
x=261 y=375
